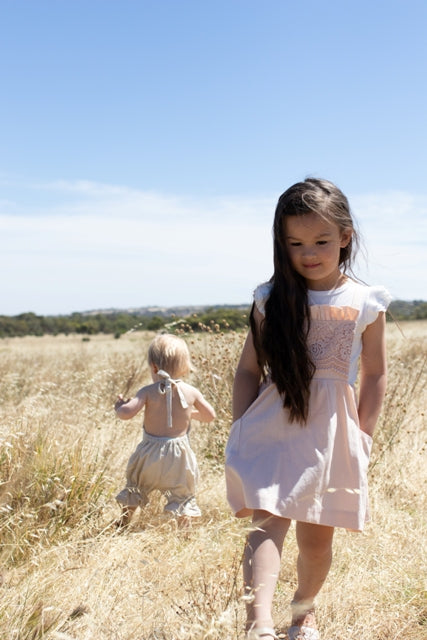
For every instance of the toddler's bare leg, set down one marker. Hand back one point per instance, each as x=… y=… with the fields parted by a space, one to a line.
x=261 y=566
x=126 y=517
x=184 y=522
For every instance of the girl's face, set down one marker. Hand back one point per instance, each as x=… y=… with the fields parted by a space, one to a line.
x=313 y=246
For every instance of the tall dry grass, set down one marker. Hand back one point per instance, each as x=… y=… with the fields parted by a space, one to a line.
x=67 y=574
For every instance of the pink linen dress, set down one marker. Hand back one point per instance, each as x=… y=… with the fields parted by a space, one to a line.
x=318 y=472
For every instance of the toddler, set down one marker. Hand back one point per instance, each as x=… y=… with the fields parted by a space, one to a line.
x=164 y=460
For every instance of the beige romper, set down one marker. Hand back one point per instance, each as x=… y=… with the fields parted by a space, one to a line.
x=166 y=464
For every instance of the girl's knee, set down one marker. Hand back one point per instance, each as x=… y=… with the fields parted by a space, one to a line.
x=314 y=541
x=266 y=526
x=316 y=552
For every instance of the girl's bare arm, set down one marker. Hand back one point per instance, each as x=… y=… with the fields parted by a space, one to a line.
x=373 y=374
x=247 y=377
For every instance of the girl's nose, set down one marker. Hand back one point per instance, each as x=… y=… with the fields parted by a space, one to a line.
x=308 y=252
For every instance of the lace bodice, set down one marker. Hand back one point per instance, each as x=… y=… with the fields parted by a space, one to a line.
x=338 y=319
x=330 y=340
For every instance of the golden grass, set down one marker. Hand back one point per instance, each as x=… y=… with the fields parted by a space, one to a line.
x=67 y=574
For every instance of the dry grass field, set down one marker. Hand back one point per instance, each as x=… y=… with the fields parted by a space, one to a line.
x=67 y=574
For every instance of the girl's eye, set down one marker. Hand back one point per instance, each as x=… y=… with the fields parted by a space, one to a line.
x=322 y=242
x=295 y=244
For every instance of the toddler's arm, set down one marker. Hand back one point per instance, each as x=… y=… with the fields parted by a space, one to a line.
x=127 y=409
x=373 y=374
x=203 y=411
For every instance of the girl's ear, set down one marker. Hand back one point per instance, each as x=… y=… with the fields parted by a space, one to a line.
x=154 y=368
x=345 y=238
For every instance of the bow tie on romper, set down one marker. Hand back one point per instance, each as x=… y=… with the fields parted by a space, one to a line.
x=166 y=388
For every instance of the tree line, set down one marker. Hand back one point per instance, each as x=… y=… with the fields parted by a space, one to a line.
x=120 y=322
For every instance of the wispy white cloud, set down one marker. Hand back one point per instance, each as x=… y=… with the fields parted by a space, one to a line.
x=70 y=246
x=394 y=230
x=113 y=246
x=86 y=197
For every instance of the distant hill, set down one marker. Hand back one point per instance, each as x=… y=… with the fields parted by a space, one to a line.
x=400 y=309
x=181 y=311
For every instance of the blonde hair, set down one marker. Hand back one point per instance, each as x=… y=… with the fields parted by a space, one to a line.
x=171 y=354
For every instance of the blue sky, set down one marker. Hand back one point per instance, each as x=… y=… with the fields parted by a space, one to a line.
x=144 y=143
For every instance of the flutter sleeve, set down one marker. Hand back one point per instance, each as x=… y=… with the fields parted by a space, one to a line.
x=261 y=294
x=377 y=300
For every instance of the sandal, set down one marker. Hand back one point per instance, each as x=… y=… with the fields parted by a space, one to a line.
x=303 y=624
x=303 y=633
x=260 y=632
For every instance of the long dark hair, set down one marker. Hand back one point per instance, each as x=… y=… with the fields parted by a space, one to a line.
x=281 y=343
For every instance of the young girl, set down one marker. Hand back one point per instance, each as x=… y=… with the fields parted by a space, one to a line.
x=164 y=459
x=300 y=441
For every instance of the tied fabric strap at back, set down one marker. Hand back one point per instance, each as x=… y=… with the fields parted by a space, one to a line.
x=167 y=383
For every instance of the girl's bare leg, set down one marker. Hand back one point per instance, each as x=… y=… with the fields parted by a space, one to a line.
x=261 y=566
x=314 y=561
